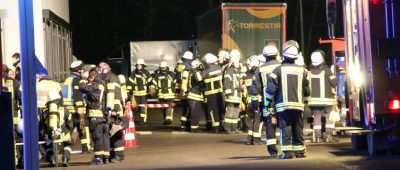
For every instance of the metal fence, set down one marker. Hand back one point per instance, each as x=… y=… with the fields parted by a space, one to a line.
x=58 y=45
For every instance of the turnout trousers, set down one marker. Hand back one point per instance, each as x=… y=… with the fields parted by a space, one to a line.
x=290 y=123
x=99 y=132
x=140 y=111
x=320 y=113
x=215 y=106
x=194 y=116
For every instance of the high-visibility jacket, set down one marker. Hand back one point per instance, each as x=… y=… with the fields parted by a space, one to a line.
x=72 y=97
x=164 y=82
x=322 y=83
x=113 y=93
x=124 y=90
x=95 y=96
x=248 y=80
x=288 y=86
x=195 y=86
x=44 y=86
x=138 y=82
x=182 y=78
x=259 y=84
x=232 y=87
x=212 y=77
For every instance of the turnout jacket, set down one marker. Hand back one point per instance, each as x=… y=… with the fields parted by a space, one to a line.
x=138 y=82
x=259 y=83
x=182 y=78
x=72 y=97
x=195 y=86
x=288 y=86
x=212 y=77
x=322 y=83
x=95 y=92
x=232 y=86
x=164 y=82
x=248 y=80
x=113 y=92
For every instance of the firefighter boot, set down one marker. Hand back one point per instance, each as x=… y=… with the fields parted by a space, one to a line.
x=249 y=140
x=228 y=128
x=52 y=160
x=96 y=161
x=272 y=150
x=300 y=154
x=257 y=141
x=329 y=139
x=234 y=128
x=317 y=140
x=286 y=155
x=106 y=160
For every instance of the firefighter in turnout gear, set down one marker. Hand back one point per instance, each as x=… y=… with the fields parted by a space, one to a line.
x=114 y=105
x=195 y=95
x=182 y=79
x=138 y=82
x=213 y=92
x=17 y=64
x=232 y=90
x=57 y=125
x=94 y=88
x=322 y=83
x=253 y=120
x=259 y=86
x=287 y=87
x=164 y=82
x=73 y=101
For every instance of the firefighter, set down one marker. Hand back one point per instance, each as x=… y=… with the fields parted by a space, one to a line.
x=114 y=106
x=182 y=78
x=323 y=83
x=253 y=120
x=287 y=87
x=17 y=64
x=195 y=95
x=73 y=101
x=232 y=90
x=164 y=83
x=138 y=82
x=57 y=125
x=259 y=86
x=94 y=88
x=223 y=57
x=213 y=92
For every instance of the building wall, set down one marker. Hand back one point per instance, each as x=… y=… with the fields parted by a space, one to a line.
x=10 y=27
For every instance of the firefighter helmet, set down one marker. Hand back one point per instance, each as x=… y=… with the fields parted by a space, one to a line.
x=317 y=57
x=253 y=61
x=140 y=61
x=234 y=58
x=270 y=51
x=210 y=58
x=196 y=63
x=188 y=55
x=290 y=51
x=223 y=54
x=235 y=54
x=180 y=61
x=163 y=64
x=300 y=60
x=261 y=58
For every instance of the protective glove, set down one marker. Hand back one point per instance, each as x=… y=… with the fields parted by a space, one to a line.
x=334 y=116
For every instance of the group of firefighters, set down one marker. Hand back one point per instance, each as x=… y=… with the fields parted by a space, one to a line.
x=268 y=92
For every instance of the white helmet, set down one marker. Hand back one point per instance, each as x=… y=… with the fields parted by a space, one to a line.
x=53 y=95
x=196 y=63
x=140 y=61
x=235 y=54
x=76 y=64
x=317 y=57
x=163 y=64
x=234 y=59
x=261 y=58
x=299 y=61
x=253 y=61
x=180 y=61
x=210 y=58
x=270 y=51
x=223 y=54
x=188 y=55
x=20 y=126
x=290 y=52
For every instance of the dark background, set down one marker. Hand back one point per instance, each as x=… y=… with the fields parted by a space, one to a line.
x=101 y=27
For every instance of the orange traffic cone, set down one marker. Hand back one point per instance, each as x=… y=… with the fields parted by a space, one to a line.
x=129 y=134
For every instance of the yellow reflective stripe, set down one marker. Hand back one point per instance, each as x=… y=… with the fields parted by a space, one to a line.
x=68 y=82
x=209 y=80
x=317 y=127
x=65 y=136
x=233 y=100
x=119 y=149
x=250 y=132
x=95 y=113
x=210 y=92
x=98 y=152
x=80 y=103
x=84 y=141
x=271 y=142
x=299 y=147
x=183 y=118
x=272 y=75
x=287 y=148
x=322 y=101
x=106 y=153
x=194 y=127
x=257 y=135
x=228 y=91
x=229 y=120
x=195 y=96
x=329 y=125
x=140 y=92
x=53 y=107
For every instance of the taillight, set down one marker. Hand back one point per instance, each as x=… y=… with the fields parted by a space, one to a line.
x=394 y=104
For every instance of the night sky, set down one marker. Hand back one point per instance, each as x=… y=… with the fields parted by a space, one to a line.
x=102 y=26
